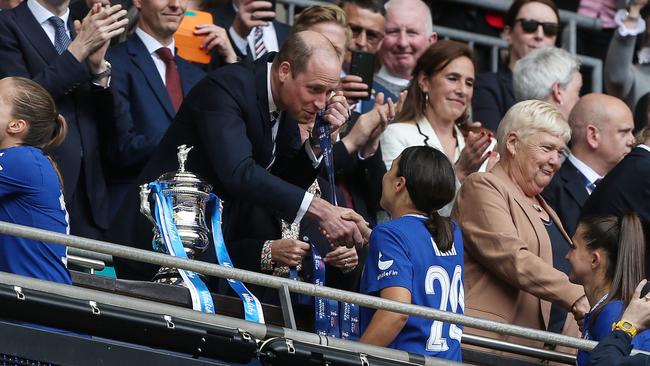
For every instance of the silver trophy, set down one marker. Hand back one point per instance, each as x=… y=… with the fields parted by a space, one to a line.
x=189 y=194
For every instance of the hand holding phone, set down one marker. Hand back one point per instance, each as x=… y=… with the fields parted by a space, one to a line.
x=363 y=64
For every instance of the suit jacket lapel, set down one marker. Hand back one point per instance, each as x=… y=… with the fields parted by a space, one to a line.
x=142 y=59
x=37 y=36
x=261 y=92
x=573 y=182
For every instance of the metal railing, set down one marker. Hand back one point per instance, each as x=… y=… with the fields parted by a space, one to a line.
x=292 y=286
x=259 y=331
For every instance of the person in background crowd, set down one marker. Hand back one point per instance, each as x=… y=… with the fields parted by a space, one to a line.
x=623 y=78
x=415 y=258
x=38 y=41
x=149 y=83
x=366 y=19
x=439 y=97
x=408 y=32
x=642 y=113
x=601 y=135
x=549 y=74
x=328 y=20
x=508 y=228
x=529 y=24
x=625 y=189
x=30 y=185
x=252 y=27
x=615 y=348
x=607 y=259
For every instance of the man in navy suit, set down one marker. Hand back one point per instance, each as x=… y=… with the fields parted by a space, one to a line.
x=242 y=121
x=38 y=41
x=601 y=135
x=144 y=84
x=626 y=189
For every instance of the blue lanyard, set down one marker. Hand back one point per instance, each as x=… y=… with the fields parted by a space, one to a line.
x=201 y=298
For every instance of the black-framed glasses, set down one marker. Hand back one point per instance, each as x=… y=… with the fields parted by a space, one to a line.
x=373 y=37
x=550 y=29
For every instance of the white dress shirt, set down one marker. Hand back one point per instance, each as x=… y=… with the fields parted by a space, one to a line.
x=43 y=16
x=586 y=171
x=152 y=45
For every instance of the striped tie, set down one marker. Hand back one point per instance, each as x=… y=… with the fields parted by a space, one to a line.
x=61 y=39
x=260 y=49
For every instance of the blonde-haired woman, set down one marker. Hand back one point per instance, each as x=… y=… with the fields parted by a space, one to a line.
x=508 y=228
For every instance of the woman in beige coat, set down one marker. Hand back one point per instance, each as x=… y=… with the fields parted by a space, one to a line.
x=507 y=227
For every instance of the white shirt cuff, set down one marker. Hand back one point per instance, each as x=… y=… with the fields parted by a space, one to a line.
x=240 y=43
x=623 y=30
x=304 y=206
x=315 y=162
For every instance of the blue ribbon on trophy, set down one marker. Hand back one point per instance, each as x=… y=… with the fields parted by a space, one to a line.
x=343 y=318
x=201 y=298
x=252 y=307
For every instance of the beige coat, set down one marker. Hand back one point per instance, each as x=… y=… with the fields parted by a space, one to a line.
x=509 y=274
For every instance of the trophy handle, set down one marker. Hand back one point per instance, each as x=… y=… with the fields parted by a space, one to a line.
x=145 y=208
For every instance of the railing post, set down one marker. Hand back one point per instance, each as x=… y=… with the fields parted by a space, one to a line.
x=287 y=307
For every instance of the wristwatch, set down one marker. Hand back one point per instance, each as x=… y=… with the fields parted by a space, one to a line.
x=626 y=327
x=106 y=72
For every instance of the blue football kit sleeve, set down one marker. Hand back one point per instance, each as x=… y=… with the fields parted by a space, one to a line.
x=30 y=194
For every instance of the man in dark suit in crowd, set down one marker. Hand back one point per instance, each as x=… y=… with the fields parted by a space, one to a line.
x=626 y=188
x=601 y=135
x=149 y=83
x=252 y=27
x=249 y=152
x=38 y=41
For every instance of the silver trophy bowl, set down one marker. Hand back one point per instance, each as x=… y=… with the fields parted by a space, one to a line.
x=189 y=195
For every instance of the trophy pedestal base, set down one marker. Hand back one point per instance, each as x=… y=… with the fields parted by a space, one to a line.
x=168 y=276
x=171 y=276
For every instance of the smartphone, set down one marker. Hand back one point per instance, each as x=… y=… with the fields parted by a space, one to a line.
x=271 y=9
x=363 y=64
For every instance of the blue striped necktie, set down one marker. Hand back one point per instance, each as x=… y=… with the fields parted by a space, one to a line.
x=61 y=39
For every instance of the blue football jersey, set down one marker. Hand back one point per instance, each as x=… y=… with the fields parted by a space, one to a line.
x=403 y=254
x=599 y=328
x=30 y=194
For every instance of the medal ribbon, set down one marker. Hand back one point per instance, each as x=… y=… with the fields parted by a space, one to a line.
x=253 y=311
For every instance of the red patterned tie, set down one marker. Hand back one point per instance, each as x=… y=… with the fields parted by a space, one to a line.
x=172 y=78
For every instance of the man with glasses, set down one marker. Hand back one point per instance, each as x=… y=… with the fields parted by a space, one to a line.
x=529 y=24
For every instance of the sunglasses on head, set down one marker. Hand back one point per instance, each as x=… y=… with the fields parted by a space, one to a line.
x=530 y=26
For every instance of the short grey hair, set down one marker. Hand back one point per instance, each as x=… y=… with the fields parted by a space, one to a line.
x=530 y=117
x=428 y=19
x=535 y=74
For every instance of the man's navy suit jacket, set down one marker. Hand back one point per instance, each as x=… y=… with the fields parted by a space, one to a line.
x=144 y=109
x=26 y=51
x=566 y=194
x=626 y=188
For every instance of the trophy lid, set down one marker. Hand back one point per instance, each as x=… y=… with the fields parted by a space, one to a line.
x=182 y=177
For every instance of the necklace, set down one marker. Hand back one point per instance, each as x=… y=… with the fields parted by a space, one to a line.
x=537 y=207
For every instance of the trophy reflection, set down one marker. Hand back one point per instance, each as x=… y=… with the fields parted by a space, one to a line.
x=184 y=195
